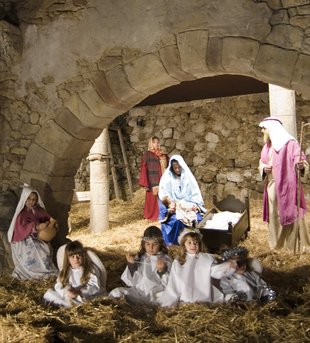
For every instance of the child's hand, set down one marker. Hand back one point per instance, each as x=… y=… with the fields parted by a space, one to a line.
x=130 y=258
x=161 y=265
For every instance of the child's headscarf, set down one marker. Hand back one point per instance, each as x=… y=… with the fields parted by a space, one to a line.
x=27 y=190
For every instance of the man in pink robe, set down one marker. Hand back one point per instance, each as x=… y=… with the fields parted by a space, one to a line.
x=279 y=164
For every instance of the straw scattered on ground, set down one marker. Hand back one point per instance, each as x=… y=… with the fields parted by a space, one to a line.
x=25 y=318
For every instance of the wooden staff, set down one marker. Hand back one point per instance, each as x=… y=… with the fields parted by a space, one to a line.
x=297 y=237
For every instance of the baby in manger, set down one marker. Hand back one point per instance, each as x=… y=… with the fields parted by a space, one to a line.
x=182 y=209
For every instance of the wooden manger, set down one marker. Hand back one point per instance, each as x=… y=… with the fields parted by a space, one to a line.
x=215 y=239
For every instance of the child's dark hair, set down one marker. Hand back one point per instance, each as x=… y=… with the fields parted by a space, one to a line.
x=153 y=233
x=75 y=248
x=196 y=236
x=239 y=254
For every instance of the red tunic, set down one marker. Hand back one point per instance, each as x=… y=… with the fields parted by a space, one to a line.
x=150 y=174
x=26 y=222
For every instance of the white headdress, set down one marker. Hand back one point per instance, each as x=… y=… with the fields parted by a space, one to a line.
x=277 y=132
x=187 y=231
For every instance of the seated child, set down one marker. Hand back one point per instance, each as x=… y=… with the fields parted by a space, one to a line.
x=245 y=283
x=32 y=256
x=82 y=276
x=182 y=209
x=191 y=273
x=147 y=272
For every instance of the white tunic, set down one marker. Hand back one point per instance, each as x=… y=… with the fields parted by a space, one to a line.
x=248 y=284
x=145 y=282
x=92 y=289
x=191 y=282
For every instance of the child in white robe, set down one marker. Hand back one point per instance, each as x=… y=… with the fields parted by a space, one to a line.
x=147 y=272
x=82 y=276
x=190 y=277
x=246 y=283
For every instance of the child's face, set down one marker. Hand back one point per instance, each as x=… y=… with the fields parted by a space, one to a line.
x=155 y=143
x=31 y=200
x=241 y=266
x=191 y=245
x=75 y=260
x=151 y=247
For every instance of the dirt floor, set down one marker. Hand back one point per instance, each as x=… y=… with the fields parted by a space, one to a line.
x=25 y=318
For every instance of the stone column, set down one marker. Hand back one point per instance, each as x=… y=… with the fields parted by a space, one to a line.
x=282 y=106
x=99 y=184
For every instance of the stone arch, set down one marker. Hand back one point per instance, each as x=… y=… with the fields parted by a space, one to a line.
x=202 y=39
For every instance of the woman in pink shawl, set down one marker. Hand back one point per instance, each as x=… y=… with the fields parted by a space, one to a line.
x=280 y=160
x=32 y=257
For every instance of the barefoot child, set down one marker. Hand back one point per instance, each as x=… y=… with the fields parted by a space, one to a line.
x=82 y=276
x=147 y=272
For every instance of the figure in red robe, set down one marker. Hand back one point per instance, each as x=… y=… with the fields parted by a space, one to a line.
x=153 y=164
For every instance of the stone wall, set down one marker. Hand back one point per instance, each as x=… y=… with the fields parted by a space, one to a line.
x=218 y=138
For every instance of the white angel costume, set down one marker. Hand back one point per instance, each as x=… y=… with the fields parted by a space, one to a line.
x=95 y=286
x=145 y=283
x=191 y=282
x=246 y=286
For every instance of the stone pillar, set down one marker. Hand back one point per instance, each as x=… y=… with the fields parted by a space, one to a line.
x=282 y=106
x=99 y=184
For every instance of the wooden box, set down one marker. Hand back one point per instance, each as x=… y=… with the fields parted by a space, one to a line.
x=215 y=239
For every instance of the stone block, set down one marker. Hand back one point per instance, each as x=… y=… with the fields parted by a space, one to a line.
x=189 y=137
x=221 y=178
x=199 y=146
x=301 y=76
x=193 y=52
x=212 y=137
x=70 y=123
x=97 y=105
x=294 y=3
x=198 y=127
x=101 y=85
x=60 y=143
x=39 y=160
x=167 y=133
x=147 y=74
x=239 y=54
x=29 y=129
x=199 y=161
x=306 y=45
x=234 y=176
x=76 y=106
x=275 y=65
x=214 y=54
x=286 y=36
x=279 y=17
x=118 y=82
x=109 y=62
x=274 y=4
x=170 y=57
